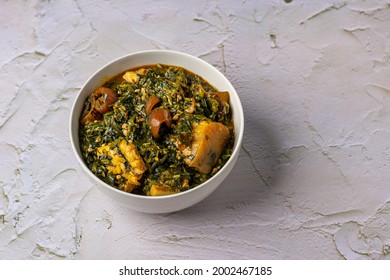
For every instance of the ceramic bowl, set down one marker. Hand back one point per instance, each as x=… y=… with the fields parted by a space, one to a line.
x=174 y=202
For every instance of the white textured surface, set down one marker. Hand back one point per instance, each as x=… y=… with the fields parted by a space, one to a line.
x=312 y=181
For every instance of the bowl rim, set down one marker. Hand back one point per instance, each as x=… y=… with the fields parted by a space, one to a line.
x=238 y=138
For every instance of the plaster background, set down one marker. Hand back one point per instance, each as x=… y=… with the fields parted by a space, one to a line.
x=312 y=180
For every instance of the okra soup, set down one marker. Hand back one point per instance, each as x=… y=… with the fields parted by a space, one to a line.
x=156 y=130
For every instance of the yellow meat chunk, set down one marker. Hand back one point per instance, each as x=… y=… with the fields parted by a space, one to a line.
x=127 y=153
x=117 y=161
x=160 y=190
x=118 y=165
x=208 y=142
x=133 y=76
x=129 y=150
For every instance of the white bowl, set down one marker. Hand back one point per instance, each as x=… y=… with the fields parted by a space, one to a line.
x=174 y=202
